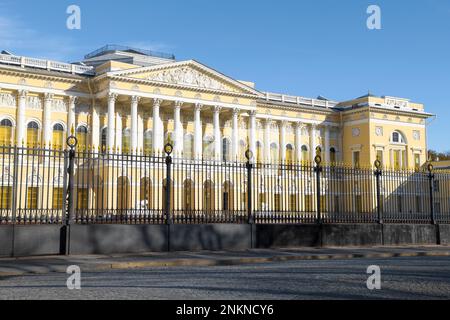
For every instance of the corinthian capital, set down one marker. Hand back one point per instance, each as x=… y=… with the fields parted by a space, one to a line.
x=72 y=100
x=48 y=97
x=178 y=104
x=217 y=109
x=198 y=107
x=22 y=94
x=135 y=99
x=112 y=97
x=157 y=103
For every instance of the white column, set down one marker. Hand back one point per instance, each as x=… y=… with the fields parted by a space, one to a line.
x=134 y=123
x=158 y=136
x=118 y=132
x=95 y=129
x=217 y=136
x=298 y=141
x=140 y=133
x=312 y=142
x=71 y=115
x=21 y=125
x=198 y=131
x=253 y=134
x=235 y=135
x=326 y=152
x=283 y=140
x=267 y=141
x=47 y=125
x=178 y=143
x=111 y=120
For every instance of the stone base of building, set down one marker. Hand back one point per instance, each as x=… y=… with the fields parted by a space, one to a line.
x=19 y=240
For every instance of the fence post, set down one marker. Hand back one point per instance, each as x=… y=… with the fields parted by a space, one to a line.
x=15 y=184
x=318 y=169
x=65 y=232
x=431 y=182
x=249 y=156
x=168 y=148
x=378 y=173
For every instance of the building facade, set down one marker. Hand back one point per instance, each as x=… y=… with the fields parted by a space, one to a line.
x=124 y=101
x=129 y=100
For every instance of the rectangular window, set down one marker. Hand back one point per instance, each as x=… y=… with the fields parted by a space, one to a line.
x=417 y=161
x=356 y=160
x=380 y=156
x=397 y=159
x=32 y=197
x=262 y=201
x=5 y=198
x=58 y=198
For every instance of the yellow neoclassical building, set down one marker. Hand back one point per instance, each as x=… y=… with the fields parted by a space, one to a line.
x=127 y=101
x=132 y=100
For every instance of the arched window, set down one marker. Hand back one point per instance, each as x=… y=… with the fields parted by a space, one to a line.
x=274 y=153
x=169 y=137
x=208 y=196
x=305 y=153
x=123 y=193
x=188 y=195
x=332 y=155
x=104 y=135
x=146 y=194
x=397 y=137
x=126 y=141
x=81 y=134
x=226 y=150
x=33 y=134
x=258 y=152
x=58 y=136
x=5 y=132
x=208 y=148
x=188 y=146
x=289 y=153
x=319 y=150
x=228 y=196
x=148 y=142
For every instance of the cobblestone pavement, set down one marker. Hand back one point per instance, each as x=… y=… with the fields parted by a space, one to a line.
x=402 y=278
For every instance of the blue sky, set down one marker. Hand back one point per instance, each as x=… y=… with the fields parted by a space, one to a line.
x=303 y=48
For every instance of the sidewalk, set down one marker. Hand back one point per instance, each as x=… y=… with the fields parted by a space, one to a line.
x=98 y=263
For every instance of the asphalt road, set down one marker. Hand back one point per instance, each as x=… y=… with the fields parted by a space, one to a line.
x=401 y=278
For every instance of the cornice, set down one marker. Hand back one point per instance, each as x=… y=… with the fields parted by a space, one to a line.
x=39 y=74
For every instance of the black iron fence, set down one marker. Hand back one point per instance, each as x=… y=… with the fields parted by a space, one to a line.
x=42 y=186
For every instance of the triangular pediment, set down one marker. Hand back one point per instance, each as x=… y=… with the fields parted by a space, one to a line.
x=187 y=74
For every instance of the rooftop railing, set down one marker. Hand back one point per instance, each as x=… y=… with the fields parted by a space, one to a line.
x=299 y=100
x=113 y=47
x=46 y=64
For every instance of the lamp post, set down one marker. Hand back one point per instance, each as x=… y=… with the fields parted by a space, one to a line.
x=65 y=245
x=168 y=149
x=318 y=169
x=378 y=174
x=249 y=165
